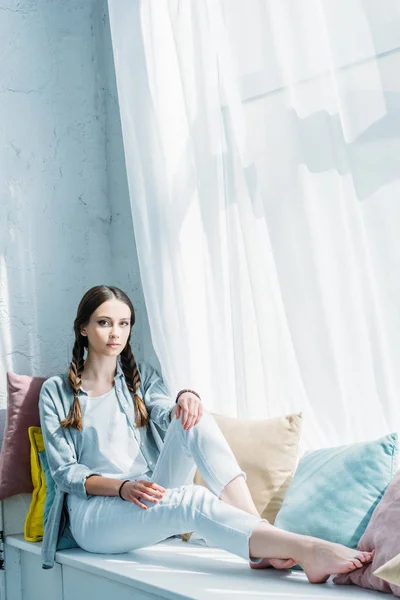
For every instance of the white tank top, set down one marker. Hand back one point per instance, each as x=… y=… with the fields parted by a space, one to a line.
x=109 y=446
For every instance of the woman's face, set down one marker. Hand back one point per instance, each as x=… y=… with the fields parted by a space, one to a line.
x=108 y=324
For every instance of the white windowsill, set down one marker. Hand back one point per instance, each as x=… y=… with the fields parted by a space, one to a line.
x=175 y=570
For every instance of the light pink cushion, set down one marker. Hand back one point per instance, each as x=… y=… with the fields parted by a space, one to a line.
x=382 y=535
x=22 y=412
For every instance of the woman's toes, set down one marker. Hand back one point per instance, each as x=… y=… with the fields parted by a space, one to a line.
x=366 y=557
x=357 y=563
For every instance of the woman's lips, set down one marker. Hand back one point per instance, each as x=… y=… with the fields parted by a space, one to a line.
x=113 y=345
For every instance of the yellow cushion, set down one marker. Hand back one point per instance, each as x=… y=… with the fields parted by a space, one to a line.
x=390 y=571
x=33 y=529
x=267 y=450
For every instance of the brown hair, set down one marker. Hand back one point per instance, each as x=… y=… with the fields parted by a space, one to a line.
x=89 y=303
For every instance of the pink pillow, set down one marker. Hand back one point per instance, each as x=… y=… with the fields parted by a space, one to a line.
x=381 y=535
x=22 y=412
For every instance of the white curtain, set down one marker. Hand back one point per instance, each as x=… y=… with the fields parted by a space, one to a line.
x=262 y=143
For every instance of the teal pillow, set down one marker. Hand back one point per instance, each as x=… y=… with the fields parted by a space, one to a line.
x=66 y=541
x=334 y=491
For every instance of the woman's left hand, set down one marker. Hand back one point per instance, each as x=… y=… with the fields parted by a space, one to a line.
x=189 y=405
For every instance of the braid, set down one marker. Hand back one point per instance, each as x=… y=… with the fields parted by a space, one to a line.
x=132 y=378
x=74 y=418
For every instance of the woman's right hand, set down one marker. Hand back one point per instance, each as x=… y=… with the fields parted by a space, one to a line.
x=142 y=489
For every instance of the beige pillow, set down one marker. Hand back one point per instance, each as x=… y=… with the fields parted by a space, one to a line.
x=267 y=451
x=390 y=572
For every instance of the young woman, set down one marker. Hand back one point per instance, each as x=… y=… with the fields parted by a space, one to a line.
x=123 y=454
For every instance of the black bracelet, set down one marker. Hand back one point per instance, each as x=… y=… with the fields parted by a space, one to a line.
x=120 y=488
x=181 y=392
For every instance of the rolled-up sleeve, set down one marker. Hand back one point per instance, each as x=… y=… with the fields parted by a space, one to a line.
x=156 y=396
x=69 y=475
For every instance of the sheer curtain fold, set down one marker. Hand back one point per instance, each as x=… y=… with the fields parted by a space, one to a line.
x=259 y=140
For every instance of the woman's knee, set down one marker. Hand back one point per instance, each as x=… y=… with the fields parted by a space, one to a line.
x=188 y=494
x=195 y=497
x=191 y=490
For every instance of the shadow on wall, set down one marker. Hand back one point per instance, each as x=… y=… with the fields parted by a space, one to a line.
x=317 y=142
x=284 y=141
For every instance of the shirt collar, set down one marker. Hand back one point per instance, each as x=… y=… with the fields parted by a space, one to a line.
x=119 y=372
x=118 y=375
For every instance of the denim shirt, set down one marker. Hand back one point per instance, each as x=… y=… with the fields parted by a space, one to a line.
x=63 y=446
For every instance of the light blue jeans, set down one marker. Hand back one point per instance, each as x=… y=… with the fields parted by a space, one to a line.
x=109 y=525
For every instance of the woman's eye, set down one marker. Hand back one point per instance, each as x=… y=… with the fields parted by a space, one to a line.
x=104 y=321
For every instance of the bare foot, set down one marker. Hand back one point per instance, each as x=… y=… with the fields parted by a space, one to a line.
x=277 y=563
x=326 y=558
